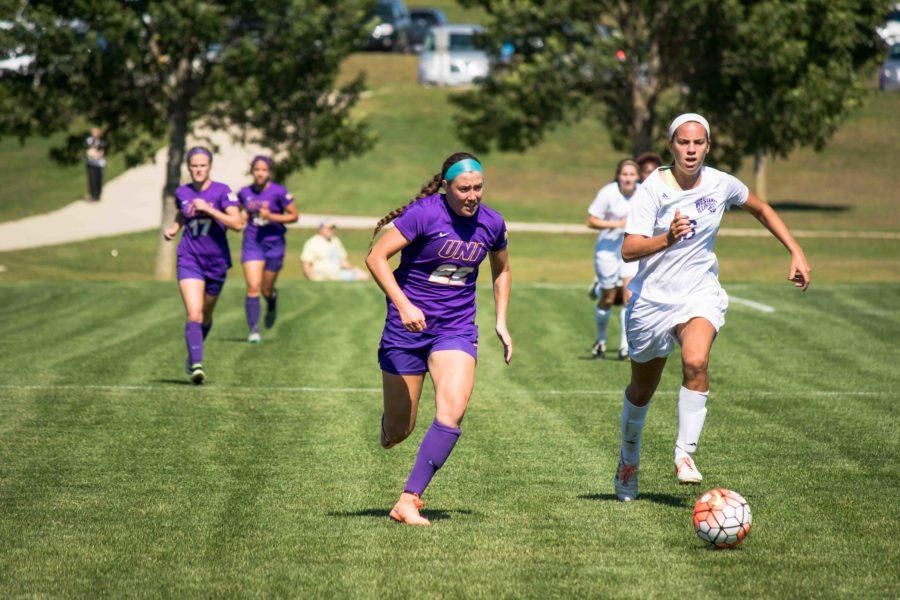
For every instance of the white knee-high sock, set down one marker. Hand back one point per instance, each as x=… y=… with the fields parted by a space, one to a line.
x=623 y=344
x=691 y=415
x=602 y=316
x=632 y=426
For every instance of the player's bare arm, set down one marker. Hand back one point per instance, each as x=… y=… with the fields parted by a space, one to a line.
x=176 y=226
x=502 y=284
x=636 y=247
x=765 y=214
x=387 y=246
x=231 y=218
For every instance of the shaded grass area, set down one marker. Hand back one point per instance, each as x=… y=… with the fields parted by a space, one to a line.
x=254 y=486
x=535 y=257
x=31 y=183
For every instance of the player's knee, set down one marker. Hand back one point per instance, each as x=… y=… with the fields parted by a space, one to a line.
x=394 y=433
x=253 y=290
x=694 y=365
x=267 y=291
x=638 y=394
x=195 y=316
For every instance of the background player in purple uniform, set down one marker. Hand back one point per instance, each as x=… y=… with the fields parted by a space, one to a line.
x=206 y=209
x=430 y=325
x=266 y=208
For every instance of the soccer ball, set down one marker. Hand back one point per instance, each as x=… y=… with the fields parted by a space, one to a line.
x=722 y=518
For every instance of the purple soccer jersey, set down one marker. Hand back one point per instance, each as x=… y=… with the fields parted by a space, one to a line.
x=203 y=235
x=264 y=240
x=276 y=198
x=439 y=267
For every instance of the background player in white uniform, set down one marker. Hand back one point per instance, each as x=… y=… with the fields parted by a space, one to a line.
x=607 y=213
x=671 y=228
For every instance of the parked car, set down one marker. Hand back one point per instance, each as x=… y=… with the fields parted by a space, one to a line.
x=889 y=76
x=14 y=58
x=423 y=19
x=392 y=31
x=452 y=57
x=890 y=31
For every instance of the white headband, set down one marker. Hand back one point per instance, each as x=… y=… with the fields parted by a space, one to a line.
x=686 y=117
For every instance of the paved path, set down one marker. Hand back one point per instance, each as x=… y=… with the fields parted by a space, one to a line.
x=131 y=203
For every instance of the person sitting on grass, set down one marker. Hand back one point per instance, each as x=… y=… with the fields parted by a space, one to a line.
x=325 y=259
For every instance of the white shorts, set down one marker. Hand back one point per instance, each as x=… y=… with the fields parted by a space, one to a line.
x=611 y=270
x=651 y=325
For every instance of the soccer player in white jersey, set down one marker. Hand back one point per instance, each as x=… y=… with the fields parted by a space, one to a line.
x=674 y=218
x=607 y=213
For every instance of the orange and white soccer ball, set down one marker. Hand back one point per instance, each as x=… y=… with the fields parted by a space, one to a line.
x=722 y=518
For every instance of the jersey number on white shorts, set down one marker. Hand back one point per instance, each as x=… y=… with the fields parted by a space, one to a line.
x=450 y=274
x=200 y=227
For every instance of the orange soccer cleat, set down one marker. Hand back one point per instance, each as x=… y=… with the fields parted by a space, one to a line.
x=407 y=510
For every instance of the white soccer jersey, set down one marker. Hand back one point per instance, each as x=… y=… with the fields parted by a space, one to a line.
x=689 y=266
x=610 y=205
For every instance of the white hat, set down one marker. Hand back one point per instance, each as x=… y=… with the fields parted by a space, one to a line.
x=685 y=118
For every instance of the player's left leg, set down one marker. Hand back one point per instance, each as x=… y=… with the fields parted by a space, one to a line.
x=209 y=307
x=270 y=276
x=253 y=274
x=453 y=374
x=601 y=315
x=696 y=338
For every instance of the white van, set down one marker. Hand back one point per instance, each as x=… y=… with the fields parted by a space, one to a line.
x=450 y=56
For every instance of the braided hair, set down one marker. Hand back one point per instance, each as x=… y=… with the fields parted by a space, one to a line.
x=429 y=188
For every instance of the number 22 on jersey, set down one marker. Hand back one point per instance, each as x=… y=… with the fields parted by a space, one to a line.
x=450 y=274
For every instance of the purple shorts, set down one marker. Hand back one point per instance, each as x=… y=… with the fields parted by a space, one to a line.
x=212 y=272
x=413 y=359
x=271 y=250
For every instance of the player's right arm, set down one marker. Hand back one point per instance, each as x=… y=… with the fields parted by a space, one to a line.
x=641 y=223
x=597 y=210
x=636 y=246
x=387 y=246
x=173 y=229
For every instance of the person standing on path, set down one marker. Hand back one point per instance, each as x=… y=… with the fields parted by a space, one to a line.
x=95 y=156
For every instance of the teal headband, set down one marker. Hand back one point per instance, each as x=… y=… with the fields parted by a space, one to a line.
x=467 y=165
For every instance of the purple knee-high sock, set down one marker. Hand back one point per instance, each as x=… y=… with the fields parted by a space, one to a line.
x=193 y=337
x=206 y=327
x=435 y=449
x=251 y=307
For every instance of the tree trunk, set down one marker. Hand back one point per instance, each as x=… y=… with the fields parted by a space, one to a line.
x=759 y=172
x=178 y=125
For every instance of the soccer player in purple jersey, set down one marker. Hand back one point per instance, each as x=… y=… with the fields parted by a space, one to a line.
x=430 y=325
x=206 y=209
x=266 y=208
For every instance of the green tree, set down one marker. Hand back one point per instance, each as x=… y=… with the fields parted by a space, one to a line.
x=145 y=70
x=770 y=74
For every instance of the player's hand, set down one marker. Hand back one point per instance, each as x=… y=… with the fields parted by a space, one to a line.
x=264 y=212
x=202 y=205
x=680 y=227
x=171 y=232
x=506 y=340
x=412 y=318
x=799 y=271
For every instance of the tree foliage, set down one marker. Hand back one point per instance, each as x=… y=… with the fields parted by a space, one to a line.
x=135 y=67
x=769 y=74
x=144 y=70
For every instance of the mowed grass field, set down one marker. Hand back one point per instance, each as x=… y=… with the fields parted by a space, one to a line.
x=119 y=479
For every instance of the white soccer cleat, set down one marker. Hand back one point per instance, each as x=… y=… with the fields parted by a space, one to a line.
x=254 y=338
x=626 y=481
x=686 y=470
x=598 y=350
